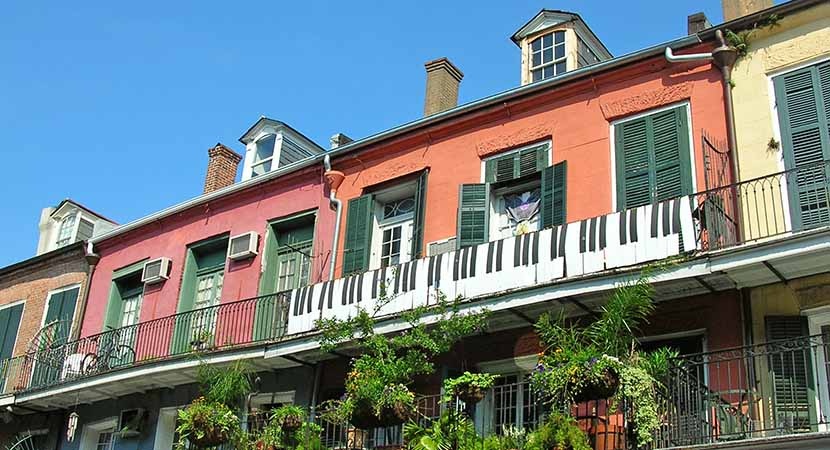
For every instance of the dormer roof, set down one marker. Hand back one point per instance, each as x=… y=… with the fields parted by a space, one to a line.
x=548 y=18
x=276 y=125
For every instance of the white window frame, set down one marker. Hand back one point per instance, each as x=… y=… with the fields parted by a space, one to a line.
x=685 y=104
x=92 y=430
x=554 y=61
x=73 y=231
x=498 y=215
x=816 y=319
x=73 y=237
x=272 y=158
x=395 y=193
x=166 y=428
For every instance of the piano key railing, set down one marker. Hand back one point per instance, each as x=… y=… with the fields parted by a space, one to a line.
x=773 y=205
x=219 y=327
x=771 y=389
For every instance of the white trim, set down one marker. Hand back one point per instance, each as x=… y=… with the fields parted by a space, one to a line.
x=686 y=104
x=816 y=319
x=166 y=428
x=9 y=305
x=548 y=142
x=91 y=431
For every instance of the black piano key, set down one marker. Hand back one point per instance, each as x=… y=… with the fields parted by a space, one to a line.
x=623 y=233
x=583 y=233
x=525 y=249
x=465 y=259
x=666 y=206
x=322 y=296
x=471 y=271
x=490 y=256
x=309 y=298
x=632 y=225
x=405 y=277
x=535 y=252
x=455 y=268
x=592 y=239
x=655 y=211
x=603 y=228
x=350 y=289
x=499 y=251
x=412 y=275
x=562 y=236
x=295 y=293
x=675 y=222
x=375 y=274
x=397 y=270
x=430 y=270
x=360 y=288
x=438 y=269
x=302 y=295
x=344 y=295
x=554 y=245
x=331 y=294
x=517 y=251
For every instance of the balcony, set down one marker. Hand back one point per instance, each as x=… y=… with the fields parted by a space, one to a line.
x=545 y=262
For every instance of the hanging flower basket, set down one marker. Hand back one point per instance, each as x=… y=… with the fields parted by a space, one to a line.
x=606 y=387
x=291 y=422
x=469 y=394
x=364 y=417
x=213 y=436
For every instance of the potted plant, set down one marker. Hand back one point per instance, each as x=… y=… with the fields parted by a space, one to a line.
x=469 y=387
x=202 y=341
x=559 y=432
x=275 y=436
x=602 y=360
x=211 y=420
x=289 y=417
x=377 y=386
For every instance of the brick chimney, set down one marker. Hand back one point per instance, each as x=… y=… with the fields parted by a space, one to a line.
x=443 y=79
x=221 y=170
x=696 y=23
x=732 y=9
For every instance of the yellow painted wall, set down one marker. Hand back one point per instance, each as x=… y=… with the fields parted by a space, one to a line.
x=799 y=39
x=787 y=300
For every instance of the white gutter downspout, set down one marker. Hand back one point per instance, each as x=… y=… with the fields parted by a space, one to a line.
x=333 y=178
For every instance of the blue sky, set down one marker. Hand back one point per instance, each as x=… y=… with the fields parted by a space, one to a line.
x=115 y=104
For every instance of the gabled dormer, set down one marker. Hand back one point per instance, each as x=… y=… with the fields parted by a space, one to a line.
x=270 y=144
x=67 y=223
x=554 y=42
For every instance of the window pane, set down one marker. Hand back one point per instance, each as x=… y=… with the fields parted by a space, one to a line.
x=560 y=51
x=536 y=45
x=262 y=168
x=560 y=67
x=265 y=148
x=548 y=72
x=547 y=55
x=537 y=58
x=537 y=74
x=560 y=37
x=547 y=40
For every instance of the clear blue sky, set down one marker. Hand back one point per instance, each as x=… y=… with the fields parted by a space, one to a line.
x=114 y=104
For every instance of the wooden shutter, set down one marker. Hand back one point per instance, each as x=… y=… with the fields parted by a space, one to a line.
x=420 y=213
x=803 y=99
x=516 y=164
x=9 y=324
x=473 y=214
x=358 y=234
x=790 y=370
x=554 y=194
x=62 y=308
x=653 y=162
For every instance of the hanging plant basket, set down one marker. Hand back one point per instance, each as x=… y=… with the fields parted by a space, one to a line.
x=213 y=436
x=364 y=417
x=397 y=414
x=291 y=422
x=605 y=388
x=469 y=394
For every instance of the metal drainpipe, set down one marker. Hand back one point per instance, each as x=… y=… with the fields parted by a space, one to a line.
x=92 y=259
x=723 y=57
x=338 y=205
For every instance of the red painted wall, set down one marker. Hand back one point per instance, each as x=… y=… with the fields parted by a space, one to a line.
x=249 y=210
x=575 y=116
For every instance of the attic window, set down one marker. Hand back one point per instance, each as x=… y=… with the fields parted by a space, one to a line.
x=264 y=155
x=548 y=56
x=66 y=229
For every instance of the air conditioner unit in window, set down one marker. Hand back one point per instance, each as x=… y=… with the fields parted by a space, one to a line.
x=243 y=246
x=131 y=422
x=156 y=270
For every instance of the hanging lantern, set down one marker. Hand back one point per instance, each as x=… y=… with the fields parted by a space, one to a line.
x=71 y=427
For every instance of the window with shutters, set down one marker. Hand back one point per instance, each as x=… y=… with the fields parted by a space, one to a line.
x=385 y=226
x=793 y=388
x=653 y=161
x=803 y=103
x=10 y=316
x=522 y=193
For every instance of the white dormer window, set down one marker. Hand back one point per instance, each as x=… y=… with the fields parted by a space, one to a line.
x=548 y=56
x=67 y=229
x=264 y=155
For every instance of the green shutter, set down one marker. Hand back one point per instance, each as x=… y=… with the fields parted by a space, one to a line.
x=473 y=214
x=9 y=324
x=791 y=372
x=652 y=158
x=803 y=99
x=516 y=164
x=61 y=308
x=358 y=240
x=420 y=213
x=554 y=194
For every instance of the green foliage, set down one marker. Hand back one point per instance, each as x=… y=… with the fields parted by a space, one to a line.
x=307 y=437
x=279 y=414
x=559 y=432
x=512 y=438
x=226 y=385
x=740 y=40
x=203 y=415
x=453 y=430
x=380 y=376
x=481 y=381
x=603 y=358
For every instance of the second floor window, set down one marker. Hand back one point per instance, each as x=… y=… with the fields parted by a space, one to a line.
x=547 y=56
x=66 y=229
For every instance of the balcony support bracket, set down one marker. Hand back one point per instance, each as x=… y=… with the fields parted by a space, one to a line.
x=775 y=272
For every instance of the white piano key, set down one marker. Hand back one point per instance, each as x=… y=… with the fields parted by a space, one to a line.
x=687 y=224
x=573 y=258
x=592 y=260
x=613 y=249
